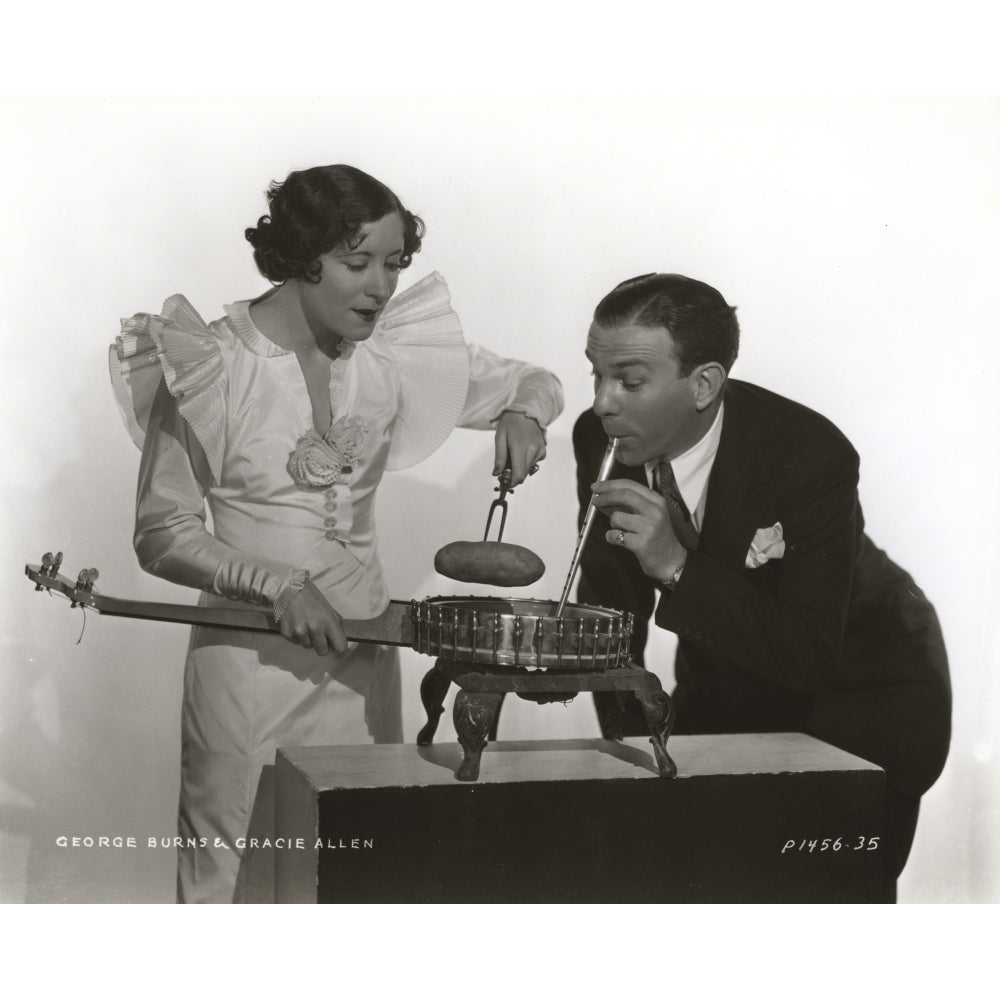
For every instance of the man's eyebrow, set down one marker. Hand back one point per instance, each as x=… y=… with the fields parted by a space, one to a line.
x=623 y=362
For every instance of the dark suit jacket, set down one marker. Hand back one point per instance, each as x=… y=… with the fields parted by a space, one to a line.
x=833 y=639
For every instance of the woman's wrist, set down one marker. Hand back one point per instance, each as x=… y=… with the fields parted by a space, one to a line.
x=518 y=411
x=290 y=589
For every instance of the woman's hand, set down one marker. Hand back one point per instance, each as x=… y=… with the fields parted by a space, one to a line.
x=520 y=443
x=311 y=622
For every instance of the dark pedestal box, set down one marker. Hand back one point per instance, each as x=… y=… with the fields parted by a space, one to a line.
x=777 y=817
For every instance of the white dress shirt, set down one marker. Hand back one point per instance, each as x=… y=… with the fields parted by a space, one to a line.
x=692 y=469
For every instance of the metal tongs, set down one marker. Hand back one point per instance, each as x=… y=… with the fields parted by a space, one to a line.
x=500 y=504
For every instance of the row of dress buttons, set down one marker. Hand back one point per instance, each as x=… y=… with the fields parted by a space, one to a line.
x=330 y=505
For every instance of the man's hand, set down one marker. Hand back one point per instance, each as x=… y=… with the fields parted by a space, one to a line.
x=311 y=622
x=520 y=443
x=640 y=523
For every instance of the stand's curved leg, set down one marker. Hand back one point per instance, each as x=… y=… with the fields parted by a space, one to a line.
x=659 y=711
x=474 y=713
x=433 y=688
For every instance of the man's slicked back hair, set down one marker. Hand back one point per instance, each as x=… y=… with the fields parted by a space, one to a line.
x=700 y=321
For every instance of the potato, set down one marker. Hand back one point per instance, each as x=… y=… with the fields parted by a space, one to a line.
x=494 y=563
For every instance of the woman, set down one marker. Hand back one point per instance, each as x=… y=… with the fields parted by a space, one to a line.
x=283 y=416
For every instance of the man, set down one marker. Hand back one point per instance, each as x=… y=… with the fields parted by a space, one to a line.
x=735 y=513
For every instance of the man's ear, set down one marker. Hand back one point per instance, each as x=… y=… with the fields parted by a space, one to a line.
x=707 y=383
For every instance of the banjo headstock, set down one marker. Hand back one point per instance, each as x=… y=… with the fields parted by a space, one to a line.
x=46 y=576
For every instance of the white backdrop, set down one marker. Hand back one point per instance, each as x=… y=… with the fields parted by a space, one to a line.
x=859 y=238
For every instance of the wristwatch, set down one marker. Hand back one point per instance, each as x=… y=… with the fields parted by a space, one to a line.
x=672 y=580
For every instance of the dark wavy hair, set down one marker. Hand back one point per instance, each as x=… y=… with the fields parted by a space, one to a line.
x=317 y=210
x=703 y=326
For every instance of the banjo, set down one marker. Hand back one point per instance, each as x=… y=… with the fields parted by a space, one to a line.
x=509 y=632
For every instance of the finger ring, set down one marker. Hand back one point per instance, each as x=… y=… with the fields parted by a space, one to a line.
x=621 y=537
x=532 y=470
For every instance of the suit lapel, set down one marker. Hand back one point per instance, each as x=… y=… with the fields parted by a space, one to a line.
x=737 y=486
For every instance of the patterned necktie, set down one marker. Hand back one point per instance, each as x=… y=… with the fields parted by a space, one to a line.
x=680 y=518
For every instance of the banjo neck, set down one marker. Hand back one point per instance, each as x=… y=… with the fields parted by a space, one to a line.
x=393 y=627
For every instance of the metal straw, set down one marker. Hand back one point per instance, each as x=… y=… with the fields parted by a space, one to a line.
x=588 y=519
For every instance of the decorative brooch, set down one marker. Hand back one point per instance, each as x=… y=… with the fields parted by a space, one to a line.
x=318 y=462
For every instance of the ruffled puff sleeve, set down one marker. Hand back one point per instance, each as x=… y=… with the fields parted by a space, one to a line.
x=169 y=381
x=446 y=383
x=177 y=346
x=424 y=338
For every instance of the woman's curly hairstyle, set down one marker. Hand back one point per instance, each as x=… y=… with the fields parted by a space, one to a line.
x=317 y=210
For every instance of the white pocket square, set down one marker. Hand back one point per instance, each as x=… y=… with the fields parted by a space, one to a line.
x=767 y=544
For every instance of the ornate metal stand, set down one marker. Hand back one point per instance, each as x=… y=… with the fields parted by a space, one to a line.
x=482 y=688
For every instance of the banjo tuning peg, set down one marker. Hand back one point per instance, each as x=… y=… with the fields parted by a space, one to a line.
x=50 y=563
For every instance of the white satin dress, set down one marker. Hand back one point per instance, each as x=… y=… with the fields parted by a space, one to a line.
x=224 y=420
